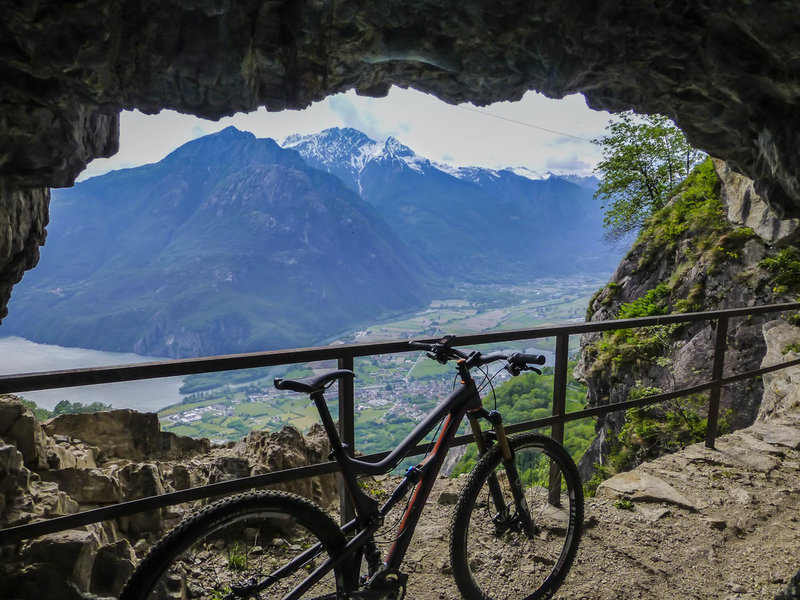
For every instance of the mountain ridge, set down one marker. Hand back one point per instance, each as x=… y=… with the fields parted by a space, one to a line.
x=181 y=257
x=233 y=243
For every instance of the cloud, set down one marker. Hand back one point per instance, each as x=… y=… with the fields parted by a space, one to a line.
x=357 y=117
x=567 y=141
x=569 y=164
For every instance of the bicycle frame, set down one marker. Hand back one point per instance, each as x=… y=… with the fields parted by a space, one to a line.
x=462 y=400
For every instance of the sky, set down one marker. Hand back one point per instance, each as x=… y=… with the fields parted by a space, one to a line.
x=541 y=134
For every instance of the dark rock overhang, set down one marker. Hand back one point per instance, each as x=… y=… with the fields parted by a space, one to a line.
x=727 y=72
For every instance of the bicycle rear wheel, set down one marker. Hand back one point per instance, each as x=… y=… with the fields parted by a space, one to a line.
x=492 y=557
x=228 y=550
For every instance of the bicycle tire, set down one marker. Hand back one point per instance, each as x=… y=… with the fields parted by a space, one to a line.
x=492 y=558
x=244 y=536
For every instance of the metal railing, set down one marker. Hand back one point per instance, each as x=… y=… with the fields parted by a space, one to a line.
x=345 y=355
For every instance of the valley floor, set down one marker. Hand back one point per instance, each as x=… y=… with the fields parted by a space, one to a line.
x=737 y=538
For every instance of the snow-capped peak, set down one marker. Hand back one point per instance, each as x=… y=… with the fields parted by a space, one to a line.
x=475 y=174
x=395 y=148
x=348 y=149
x=524 y=172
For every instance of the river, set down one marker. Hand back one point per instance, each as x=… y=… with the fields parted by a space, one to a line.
x=18 y=355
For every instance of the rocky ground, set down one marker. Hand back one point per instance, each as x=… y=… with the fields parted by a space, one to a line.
x=702 y=524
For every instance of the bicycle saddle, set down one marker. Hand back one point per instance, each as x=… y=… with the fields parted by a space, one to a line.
x=312 y=384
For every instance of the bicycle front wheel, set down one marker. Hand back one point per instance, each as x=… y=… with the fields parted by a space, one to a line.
x=259 y=545
x=496 y=555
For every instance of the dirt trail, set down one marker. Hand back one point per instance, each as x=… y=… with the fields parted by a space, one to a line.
x=727 y=526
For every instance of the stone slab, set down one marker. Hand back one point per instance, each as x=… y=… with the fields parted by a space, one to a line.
x=776 y=434
x=642 y=487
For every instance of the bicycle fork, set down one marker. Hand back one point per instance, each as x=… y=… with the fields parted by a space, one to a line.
x=504 y=519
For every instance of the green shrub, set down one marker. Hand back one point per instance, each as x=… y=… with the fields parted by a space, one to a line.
x=795 y=347
x=785 y=266
x=652 y=431
x=624 y=504
x=237 y=558
x=652 y=303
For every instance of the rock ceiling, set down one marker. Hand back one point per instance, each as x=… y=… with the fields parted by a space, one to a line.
x=727 y=72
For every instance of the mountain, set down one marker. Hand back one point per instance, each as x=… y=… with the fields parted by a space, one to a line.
x=234 y=244
x=229 y=244
x=469 y=224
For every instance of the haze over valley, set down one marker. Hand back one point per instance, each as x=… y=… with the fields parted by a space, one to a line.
x=233 y=244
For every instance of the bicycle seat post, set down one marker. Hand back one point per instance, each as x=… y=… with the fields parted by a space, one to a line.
x=365 y=508
x=337 y=447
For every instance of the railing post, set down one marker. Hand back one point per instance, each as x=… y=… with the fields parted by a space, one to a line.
x=720 y=345
x=559 y=408
x=346 y=431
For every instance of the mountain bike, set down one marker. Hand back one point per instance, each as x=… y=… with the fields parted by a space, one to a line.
x=515 y=529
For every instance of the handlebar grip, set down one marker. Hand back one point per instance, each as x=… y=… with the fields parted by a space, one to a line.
x=520 y=358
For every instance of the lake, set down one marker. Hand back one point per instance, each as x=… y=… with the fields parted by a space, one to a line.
x=18 y=355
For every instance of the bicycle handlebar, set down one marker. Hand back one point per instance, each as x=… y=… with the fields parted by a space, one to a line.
x=442 y=351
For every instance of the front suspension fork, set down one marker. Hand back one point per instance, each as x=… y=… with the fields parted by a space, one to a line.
x=523 y=516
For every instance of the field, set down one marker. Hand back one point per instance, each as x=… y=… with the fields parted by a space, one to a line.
x=392 y=392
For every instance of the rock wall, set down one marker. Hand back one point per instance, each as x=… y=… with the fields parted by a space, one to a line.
x=78 y=462
x=725 y=72
x=23 y=218
x=689 y=258
x=781 y=388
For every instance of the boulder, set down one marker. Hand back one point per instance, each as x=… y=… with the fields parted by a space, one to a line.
x=64 y=452
x=781 y=388
x=19 y=426
x=112 y=566
x=287 y=449
x=10 y=460
x=86 y=486
x=125 y=433
x=39 y=581
x=141 y=481
x=70 y=554
x=10 y=467
x=642 y=487
x=777 y=434
x=175 y=447
x=181 y=478
x=745 y=207
x=226 y=468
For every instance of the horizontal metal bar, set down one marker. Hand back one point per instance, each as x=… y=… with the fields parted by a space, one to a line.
x=223 y=488
x=122 y=509
x=760 y=371
x=241 y=361
x=26 y=382
x=14 y=534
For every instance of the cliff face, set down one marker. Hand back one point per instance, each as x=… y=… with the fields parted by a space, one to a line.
x=714 y=246
x=78 y=462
